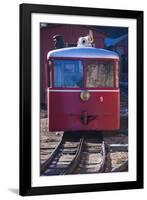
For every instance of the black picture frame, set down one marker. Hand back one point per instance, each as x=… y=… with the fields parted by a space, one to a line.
x=25 y=99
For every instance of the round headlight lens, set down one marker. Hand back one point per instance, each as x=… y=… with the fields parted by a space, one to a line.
x=85 y=95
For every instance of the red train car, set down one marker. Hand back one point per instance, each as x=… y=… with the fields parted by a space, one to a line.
x=83 y=92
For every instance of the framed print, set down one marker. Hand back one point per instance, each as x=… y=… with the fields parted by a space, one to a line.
x=81 y=99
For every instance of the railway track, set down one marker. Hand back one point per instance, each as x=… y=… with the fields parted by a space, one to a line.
x=63 y=157
x=81 y=155
x=92 y=159
x=76 y=155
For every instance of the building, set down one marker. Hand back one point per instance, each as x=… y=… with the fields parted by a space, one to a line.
x=70 y=34
x=120 y=45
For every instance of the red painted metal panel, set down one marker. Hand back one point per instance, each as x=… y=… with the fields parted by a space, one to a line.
x=66 y=109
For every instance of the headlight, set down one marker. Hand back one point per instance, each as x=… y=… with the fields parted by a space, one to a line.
x=85 y=95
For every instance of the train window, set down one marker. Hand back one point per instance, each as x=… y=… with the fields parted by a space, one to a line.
x=117 y=74
x=100 y=74
x=68 y=73
x=50 y=74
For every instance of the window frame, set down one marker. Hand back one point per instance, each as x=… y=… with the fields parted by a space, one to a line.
x=101 y=60
x=85 y=61
x=117 y=63
x=68 y=59
x=49 y=73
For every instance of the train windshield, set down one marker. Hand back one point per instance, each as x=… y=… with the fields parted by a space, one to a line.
x=100 y=74
x=68 y=73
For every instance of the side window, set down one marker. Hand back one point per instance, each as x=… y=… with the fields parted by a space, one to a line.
x=50 y=74
x=100 y=74
x=117 y=74
x=68 y=74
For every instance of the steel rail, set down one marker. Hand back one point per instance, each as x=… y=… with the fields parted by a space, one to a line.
x=103 y=163
x=44 y=166
x=71 y=168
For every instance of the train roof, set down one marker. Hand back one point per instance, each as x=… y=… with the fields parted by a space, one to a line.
x=82 y=52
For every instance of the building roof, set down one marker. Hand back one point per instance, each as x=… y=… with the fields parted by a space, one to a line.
x=82 y=52
x=113 y=41
x=93 y=28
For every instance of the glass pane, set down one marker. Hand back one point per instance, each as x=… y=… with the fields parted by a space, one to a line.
x=68 y=74
x=117 y=74
x=50 y=74
x=100 y=74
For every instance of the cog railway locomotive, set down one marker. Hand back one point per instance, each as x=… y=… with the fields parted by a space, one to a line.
x=83 y=92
